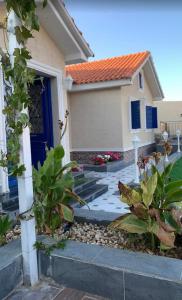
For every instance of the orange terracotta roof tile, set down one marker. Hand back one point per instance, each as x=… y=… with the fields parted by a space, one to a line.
x=115 y=68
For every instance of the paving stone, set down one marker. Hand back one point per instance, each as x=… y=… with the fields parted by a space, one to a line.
x=70 y=294
x=112 y=195
x=126 y=175
x=138 y=287
x=43 y=291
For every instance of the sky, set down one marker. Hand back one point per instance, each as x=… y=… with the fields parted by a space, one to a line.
x=113 y=28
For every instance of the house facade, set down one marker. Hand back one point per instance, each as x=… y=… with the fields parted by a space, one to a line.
x=59 y=42
x=112 y=100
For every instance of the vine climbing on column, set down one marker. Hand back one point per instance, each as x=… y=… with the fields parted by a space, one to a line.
x=17 y=79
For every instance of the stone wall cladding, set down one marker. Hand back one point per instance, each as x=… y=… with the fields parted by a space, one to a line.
x=84 y=157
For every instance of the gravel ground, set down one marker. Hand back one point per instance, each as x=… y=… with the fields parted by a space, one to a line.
x=102 y=235
x=13 y=234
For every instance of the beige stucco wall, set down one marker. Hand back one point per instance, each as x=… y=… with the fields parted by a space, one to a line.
x=100 y=119
x=170 y=112
x=43 y=49
x=96 y=119
x=134 y=93
x=2 y=19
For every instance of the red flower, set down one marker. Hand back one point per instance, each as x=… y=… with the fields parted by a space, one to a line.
x=113 y=156
x=99 y=160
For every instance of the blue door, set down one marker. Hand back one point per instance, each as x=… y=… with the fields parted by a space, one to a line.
x=40 y=114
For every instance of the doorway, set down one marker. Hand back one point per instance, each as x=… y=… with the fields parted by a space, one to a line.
x=40 y=114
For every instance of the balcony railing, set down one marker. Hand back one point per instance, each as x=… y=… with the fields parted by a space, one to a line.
x=171 y=127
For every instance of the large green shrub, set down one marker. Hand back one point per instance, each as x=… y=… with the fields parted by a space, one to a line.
x=53 y=184
x=152 y=208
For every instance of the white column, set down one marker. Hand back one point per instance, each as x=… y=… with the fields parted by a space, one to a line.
x=4 y=188
x=63 y=106
x=136 y=142
x=136 y=167
x=178 y=132
x=25 y=188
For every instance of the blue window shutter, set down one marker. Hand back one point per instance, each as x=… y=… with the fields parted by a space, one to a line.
x=154 y=117
x=135 y=114
x=149 y=117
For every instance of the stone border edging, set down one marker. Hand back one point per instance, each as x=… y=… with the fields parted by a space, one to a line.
x=10 y=267
x=114 y=273
x=99 y=217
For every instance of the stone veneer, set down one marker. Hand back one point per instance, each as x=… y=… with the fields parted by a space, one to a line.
x=85 y=157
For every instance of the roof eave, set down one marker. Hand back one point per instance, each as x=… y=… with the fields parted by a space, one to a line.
x=100 y=85
x=150 y=62
x=161 y=96
x=60 y=26
x=70 y=23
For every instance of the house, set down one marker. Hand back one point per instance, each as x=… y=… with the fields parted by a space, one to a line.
x=59 y=42
x=169 y=116
x=111 y=100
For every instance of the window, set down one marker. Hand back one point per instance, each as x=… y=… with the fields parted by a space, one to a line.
x=140 y=79
x=135 y=115
x=151 y=117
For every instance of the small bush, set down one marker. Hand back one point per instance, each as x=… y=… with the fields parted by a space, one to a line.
x=5 y=225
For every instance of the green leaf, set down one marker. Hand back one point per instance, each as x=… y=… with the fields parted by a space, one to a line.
x=22 y=34
x=131 y=224
x=129 y=195
x=172 y=186
x=167 y=238
x=167 y=171
x=5 y=225
x=173 y=197
x=171 y=221
x=67 y=213
x=148 y=189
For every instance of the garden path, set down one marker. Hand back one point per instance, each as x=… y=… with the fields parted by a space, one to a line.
x=110 y=201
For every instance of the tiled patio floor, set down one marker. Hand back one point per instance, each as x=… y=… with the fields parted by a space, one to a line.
x=51 y=291
x=110 y=200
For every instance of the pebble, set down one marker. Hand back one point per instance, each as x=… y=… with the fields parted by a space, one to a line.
x=99 y=235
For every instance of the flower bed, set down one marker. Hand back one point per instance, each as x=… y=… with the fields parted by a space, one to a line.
x=102 y=159
x=105 y=236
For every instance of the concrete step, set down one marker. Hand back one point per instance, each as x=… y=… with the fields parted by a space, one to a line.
x=86 y=188
x=77 y=175
x=85 y=184
x=92 y=193
x=11 y=204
